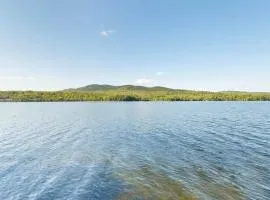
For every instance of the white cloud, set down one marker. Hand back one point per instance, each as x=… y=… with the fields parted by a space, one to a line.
x=144 y=81
x=107 y=33
x=160 y=73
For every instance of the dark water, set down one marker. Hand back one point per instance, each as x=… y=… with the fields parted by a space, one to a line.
x=186 y=150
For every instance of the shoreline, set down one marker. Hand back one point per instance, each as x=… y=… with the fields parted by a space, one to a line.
x=129 y=95
x=135 y=101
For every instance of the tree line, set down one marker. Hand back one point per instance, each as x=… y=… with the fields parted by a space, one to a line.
x=29 y=96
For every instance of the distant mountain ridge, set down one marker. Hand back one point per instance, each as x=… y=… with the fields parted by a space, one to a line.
x=105 y=87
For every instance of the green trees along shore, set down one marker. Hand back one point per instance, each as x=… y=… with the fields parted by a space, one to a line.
x=130 y=95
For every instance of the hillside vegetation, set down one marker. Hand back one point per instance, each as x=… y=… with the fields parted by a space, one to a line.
x=131 y=93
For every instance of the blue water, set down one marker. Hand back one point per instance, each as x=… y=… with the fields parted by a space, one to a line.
x=97 y=150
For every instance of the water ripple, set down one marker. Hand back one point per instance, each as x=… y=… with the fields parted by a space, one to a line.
x=140 y=150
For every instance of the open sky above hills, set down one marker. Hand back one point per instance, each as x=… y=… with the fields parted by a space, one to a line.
x=199 y=45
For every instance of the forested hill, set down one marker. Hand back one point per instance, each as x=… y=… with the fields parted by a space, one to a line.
x=130 y=93
x=97 y=87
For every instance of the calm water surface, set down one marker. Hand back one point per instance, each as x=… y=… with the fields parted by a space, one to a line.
x=142 y=150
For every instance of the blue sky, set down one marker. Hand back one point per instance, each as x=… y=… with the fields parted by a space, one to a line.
x=191 y=44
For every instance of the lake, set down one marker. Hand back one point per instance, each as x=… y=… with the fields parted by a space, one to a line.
x=135 y=150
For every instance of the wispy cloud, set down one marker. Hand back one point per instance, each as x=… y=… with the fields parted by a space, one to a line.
x=144 y=81
x=160 y=73
x=107 y=33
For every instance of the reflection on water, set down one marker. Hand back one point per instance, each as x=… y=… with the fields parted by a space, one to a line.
x=142 y=151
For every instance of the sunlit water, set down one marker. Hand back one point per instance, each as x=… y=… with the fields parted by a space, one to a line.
x=142 y=150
